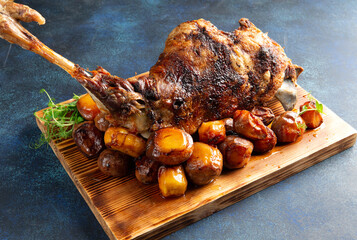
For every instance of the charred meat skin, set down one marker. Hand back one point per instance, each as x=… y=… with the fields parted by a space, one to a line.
x=206 y=74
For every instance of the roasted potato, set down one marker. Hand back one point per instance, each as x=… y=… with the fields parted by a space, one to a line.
x=205 y=164
x=288 y=127
x=87 y=107
x=170 y=146
x=114 y=163
x=266 y=144
x=264 y=113
x=88 y=138
x=236 y=152
x=122 y=140
x=311 y=116
x=248 y=125
x=172 y=181
x=146 y=170
x=228 y=123
x=212 y=132
x=101 y=122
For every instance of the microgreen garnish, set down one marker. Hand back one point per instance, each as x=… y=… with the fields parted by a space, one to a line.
x=58 y=119
x=301 y=126
x=319 y=106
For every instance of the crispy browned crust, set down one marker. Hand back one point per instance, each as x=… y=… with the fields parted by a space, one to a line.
x=206 y=74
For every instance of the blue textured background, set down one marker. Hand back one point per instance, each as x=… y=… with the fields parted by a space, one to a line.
x=38 y=199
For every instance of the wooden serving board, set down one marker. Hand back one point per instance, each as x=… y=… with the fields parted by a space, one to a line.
x=128 y=209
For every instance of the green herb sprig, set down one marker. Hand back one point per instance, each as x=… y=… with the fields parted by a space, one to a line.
x=301 y=126
x=319 y=106
x=59 y=120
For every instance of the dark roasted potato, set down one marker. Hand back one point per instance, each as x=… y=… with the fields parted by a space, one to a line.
x=146 y=170
x=212 y=132
x=288 y=127
x=236 y=152
x=88 y=138
x=263 y=113
x=266 y=144
x=170 y=146
x=172 y=181
x=311 y=116
x=101 y=123
x=114 y=163
x=87 y=107
x=248 y=125
x=205 y=164
x=121 y=139
x=228 y=123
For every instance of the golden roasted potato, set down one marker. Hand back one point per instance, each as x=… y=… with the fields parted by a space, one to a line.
x=114 y=163
x=288 y=127
x=101 y=122
x=172 y=181
x=212 y=132
x=249 y=125
x=236 y=152
x=122 y=140
x=170 y=146
x=146 y=170
x=205 y=164
x=87 y=107
x=264 y=113
x=311 y=116
x=88 y=138
x=266 y=144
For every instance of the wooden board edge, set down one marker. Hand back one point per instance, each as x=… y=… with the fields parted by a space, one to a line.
x=75 y=181
x=248 y=190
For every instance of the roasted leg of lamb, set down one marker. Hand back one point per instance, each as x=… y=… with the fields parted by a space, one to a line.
x=203 y=74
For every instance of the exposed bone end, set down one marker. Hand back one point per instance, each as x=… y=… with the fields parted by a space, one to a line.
x=12 y=31
x=287 y=95
x=21 y=12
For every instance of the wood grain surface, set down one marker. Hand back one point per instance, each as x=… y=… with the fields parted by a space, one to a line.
x=128 y=209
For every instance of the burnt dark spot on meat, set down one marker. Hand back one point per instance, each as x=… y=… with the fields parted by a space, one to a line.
x=235 y=39
x=151 y=114
x=266 y=60
x=151 y=95
x=111 y=84
x=145 y=86
x=254 y=82
x=179 y=119
x=126 y=108
x=178 y=103
x=213 y=104
x=139 y=86
x=140 y=101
